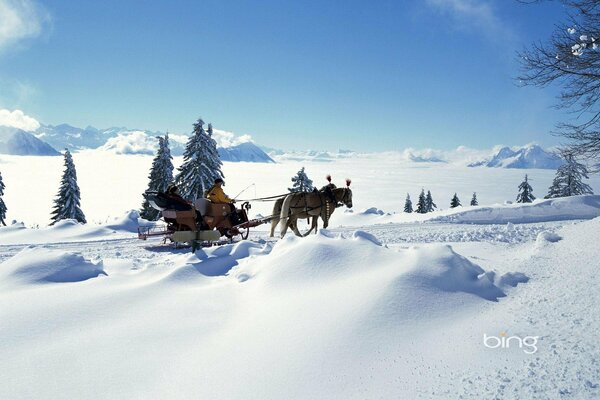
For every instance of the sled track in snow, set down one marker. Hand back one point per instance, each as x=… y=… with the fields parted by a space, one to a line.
x=391 y=234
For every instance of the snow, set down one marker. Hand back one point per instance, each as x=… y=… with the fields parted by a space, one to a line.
x=383 y=304
x=566 y=208
x=111 y=184
x=37 y=265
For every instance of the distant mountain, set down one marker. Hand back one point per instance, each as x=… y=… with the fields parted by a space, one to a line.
x=247 y=151
x=421 y=159
x=18 y=142
x=121 y=140
x=310 y=155
x=532 y=156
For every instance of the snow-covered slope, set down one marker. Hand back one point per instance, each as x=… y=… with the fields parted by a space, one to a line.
x=531 y=156
x=247 y=151
x=67 y=136
x=327 y=316
x=18 y=142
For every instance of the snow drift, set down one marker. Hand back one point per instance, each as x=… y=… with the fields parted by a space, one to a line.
x=559 y=209
x=37 y=265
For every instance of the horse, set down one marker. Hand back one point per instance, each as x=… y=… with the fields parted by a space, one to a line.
x=275 y=215
x=313 y=204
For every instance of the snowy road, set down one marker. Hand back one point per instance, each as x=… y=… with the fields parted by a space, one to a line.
x=390 y=234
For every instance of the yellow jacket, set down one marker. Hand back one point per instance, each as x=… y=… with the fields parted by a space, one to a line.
x=217 y=195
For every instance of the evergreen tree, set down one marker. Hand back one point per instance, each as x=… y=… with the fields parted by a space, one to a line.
x=408 y=208
x=525 y=192
x=429 y=204
x=421 y=204
x=2 y=204
x=567 y=181
x=161 y=176
x=67 y=202
x=474 y=201
x=301 y=183
x=455 y=202
x=201 y=164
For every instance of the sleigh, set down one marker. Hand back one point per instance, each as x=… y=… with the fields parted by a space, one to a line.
x=201 y=223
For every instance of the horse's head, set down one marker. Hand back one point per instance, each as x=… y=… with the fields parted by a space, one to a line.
x=344 y=195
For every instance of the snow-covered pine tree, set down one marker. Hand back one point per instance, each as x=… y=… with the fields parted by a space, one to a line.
x=67 y=202
x=161 y=176
x=408 y=208
x=421 y=204
x=568 y=179
x=455 y=202
x=2 y=204
x=474 y=201
x=525 y=192
x=429 y=204
x=201 y=164
x=301 y=183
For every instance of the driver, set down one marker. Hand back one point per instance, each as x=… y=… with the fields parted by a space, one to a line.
x=216 y=195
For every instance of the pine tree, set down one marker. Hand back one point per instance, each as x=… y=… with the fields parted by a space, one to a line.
x=568 y=179
x=525 y=192
x=2 y=204
x=161 y=176
x=474 y=201
x=67 y=202
x=429 y=204
x=201 y=164
x=421 y=204
x=408 y=208
x=301 y=183
x=455 y=202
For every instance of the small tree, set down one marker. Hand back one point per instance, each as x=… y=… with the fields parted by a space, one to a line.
x=421 y=204
x=201 y=164
x=455 y=202
x=525 y=192
x=568 y=179
x=301 y=183
x=161 y=176
x=408 y=208
x=2 y=204
x=474 y=201
x=429 y=204
x=67 y=202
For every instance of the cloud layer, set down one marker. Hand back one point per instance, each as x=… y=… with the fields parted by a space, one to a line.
x=19 y=20
x=18 y=119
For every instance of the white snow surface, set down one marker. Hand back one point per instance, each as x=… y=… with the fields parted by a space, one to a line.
x=382 y=305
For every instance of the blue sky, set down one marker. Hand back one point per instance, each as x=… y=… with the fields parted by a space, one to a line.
x=294 y=74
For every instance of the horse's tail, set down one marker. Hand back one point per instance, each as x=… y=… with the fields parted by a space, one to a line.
x=275 y=215
x=285 y=212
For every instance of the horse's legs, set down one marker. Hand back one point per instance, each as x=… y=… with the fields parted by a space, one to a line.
x=274 y=223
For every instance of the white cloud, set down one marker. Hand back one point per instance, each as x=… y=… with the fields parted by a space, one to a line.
x=477 y=14
x=21 y=19
x=223 y=138
x=18 y=119
x=228 y=139
x=131 y=142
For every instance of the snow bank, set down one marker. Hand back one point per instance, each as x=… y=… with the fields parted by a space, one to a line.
x=566 y=208
x=435 y=269
x=35 y=265
x=69 y=230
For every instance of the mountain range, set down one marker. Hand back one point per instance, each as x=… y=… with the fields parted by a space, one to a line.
x=18 y=142
x=47 y=138
x=530 y=156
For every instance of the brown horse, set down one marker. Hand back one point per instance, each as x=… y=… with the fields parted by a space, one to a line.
x=275 y=215
x=313 y=204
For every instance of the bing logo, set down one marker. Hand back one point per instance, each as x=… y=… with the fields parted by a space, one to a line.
x=503 y=341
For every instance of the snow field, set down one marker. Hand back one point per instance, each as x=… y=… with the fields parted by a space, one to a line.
x=111 y=184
